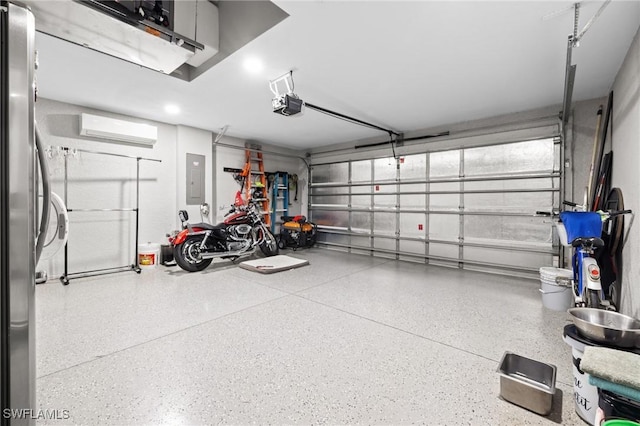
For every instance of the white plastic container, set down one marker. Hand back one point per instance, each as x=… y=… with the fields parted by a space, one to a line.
x=555 y=288
x=585 y=395
x=148 y=255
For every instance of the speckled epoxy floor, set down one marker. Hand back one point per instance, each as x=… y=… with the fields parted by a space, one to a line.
x=347 y=339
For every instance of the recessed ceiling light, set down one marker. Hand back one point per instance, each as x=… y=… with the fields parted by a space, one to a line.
x=172 y=109
x=253 y=65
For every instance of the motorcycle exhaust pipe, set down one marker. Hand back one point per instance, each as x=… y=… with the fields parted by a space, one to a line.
x=227 y=253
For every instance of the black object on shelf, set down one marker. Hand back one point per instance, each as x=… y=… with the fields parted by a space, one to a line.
x=616 y=406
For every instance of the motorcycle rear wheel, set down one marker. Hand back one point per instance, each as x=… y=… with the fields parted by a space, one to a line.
x=187 y=255
x=593 y=299
x=269 y=245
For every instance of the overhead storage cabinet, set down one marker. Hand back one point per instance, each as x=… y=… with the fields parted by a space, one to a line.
x=198 y=20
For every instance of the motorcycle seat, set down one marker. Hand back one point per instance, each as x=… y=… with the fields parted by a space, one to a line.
x=206 y=226
x=587 y=242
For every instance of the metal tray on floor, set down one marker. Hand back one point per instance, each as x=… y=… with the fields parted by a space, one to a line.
x=528 y=383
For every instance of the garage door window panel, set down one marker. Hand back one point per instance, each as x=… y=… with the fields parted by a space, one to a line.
x=471 y=205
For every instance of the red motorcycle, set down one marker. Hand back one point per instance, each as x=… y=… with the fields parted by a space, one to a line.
x=242 y=230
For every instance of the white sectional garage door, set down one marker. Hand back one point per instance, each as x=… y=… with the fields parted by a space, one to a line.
x=469 y=208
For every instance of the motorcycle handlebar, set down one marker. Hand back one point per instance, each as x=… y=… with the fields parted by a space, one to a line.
x=613 y=213
x=235 y=208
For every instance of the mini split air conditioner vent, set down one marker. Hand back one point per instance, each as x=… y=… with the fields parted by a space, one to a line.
x=111 y=129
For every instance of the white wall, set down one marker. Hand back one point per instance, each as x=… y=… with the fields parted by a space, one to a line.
x=226 y=186
x=626 y=169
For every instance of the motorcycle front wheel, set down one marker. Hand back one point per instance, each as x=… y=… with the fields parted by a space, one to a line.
x=188 y=257
x=269 y=244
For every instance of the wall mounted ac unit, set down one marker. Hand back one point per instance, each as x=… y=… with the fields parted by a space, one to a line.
x=115 y=130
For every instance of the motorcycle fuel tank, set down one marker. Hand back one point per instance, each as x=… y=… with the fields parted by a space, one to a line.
x=236 y=219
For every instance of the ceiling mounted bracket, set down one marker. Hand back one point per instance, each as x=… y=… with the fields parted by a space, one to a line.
x=569 y=79
x=286 y=80
x=577 y=35
x=574 y=41
x=220 y=134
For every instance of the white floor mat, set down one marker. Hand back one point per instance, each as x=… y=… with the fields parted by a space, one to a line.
x=270 y=265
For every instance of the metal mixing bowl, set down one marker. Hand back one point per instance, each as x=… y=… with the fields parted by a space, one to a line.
x=607 y=327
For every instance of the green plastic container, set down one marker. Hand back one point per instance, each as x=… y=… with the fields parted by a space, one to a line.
x=617 y=422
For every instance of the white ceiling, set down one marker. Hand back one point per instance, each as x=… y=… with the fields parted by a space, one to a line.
x=401 y=65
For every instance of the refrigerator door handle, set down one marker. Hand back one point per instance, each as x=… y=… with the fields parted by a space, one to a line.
x=46 y=195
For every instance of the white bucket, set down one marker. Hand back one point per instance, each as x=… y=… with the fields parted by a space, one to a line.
x=585 y=396
x=557 y=295
x=148 y=255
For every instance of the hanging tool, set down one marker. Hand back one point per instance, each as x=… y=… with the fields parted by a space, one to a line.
x=603 y=182
x=599 y=160
x=293 y=186
x=592 y=175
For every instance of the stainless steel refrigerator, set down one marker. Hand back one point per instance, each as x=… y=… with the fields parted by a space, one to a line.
x=18 y=206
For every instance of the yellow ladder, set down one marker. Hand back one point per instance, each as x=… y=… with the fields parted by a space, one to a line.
x=251 y=182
